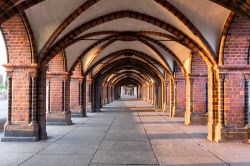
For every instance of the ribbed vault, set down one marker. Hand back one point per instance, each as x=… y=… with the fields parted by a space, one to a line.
x=89 y=30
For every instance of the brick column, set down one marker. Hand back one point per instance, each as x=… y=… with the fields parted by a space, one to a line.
x=96 y=98
x=152 y=94
x=163 y=97
x=41 y=101
x=60 y=100
x=33 y=88
x=189 y=100
x=247 y=103
x=164 y=88
x=220 y=118
x=83 y=103
x=48 y=95
x=157 y=96
x=172 y=98
x=21 y=123
x=108 y=93
x=167 y=107
x=112 y=93
x=9 y=76
x=102 y=96
x=87 y=92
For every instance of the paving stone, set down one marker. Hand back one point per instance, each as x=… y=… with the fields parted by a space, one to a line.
x=62 y=149
x=125 y=146
x=125 y=136
x=125 y=157
x=13 y=159
x=60 y=160
x=190 y=161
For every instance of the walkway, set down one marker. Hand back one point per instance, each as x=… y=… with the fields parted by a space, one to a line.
x=125 y=135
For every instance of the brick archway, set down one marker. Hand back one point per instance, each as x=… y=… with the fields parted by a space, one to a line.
x=226 y=74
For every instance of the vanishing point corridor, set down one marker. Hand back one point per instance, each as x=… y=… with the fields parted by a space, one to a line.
x=124 y=82
x=126 y=132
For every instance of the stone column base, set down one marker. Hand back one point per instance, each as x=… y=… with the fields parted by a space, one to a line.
x=234 y=135
x=20 y=132
x=179 y=113
x=198 y=119
x=248 y=130
x=59 y=118
x=77 y=112
x=97 y=110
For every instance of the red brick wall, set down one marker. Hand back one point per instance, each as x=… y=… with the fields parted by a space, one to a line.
x=74 y=93
x=77 y=72
x=56 y=94
x=17 y=41
x=234 y=99
x=199 y=76
x=198 y=65
x=105 y=93
x=181 y=95
x=75 y=87
x=199 y=95
x=56 y=66
x=237 y=42
x=88 y=90
x=20 y=101
x=180 y=89
x=168 y=95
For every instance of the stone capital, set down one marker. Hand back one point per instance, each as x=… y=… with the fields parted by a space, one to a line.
x=247 y=76
x=21 y=67
x=33 y=74
x=9 y=74
x=222 y=76
x=63 y=75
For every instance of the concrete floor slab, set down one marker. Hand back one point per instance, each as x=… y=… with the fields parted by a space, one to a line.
x=62 y=160
x=125 y=157
x=70 y=149
x=125 y=133
x=13 y=159
x=125 y=146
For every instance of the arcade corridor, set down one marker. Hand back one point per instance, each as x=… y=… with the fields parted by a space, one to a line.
x=125 y=82
x=123 y=134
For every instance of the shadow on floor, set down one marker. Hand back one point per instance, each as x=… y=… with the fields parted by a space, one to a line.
x=213 y=164
x=129 y=99
x=128 y=109
x=168 y=122
x=178 y=136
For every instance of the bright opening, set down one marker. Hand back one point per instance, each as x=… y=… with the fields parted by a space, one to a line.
x=129 y=91
x=3 y=81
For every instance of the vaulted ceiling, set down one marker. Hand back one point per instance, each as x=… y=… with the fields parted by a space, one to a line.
x=164 y=31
